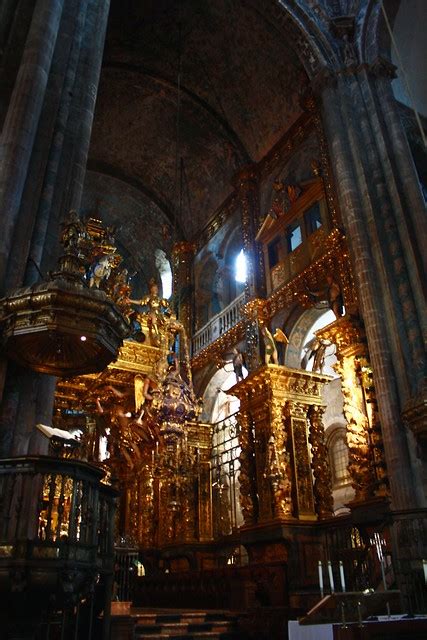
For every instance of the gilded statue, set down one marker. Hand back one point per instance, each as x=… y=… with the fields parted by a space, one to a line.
x=333 y=295
x=238 y=362
x=157 y=311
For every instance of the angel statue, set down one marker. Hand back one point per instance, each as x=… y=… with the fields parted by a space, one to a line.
x=100 y=270
x=333 y=294
x=270 y=346
x=157 y=311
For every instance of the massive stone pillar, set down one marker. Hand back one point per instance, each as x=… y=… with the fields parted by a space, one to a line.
x=383 y=214
x=43 y=151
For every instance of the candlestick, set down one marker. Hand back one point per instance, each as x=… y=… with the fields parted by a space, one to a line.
x=342 y=576
x=343 y=620
x=359 y=613
x=425 y=570
x=383 y=572
x=320 y=568
x=331 y=577
x=157 y=447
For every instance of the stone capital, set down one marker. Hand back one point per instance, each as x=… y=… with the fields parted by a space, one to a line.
x=246 y=178
x=325 y=78
x=383 y=68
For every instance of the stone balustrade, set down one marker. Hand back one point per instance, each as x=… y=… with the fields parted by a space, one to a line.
x=218 y=325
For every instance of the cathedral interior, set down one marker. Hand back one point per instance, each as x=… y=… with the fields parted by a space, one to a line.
x=212 y=319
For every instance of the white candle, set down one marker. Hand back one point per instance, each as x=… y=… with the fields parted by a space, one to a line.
x=331 y=576
x=342 y=576
x=383 y=572
x=359 y=613
x=320 y=577
x=425 y=570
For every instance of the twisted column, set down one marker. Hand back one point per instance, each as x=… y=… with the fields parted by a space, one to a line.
x=322 y=487
x=182 y=262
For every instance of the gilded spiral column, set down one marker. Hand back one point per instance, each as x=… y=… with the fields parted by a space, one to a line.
x=246 y=183
x=182 y=261
x=322 y=487
x=279 y=463
x=248 y=493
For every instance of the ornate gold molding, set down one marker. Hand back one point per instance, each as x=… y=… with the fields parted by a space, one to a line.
x=275 y=404
x=364 y=438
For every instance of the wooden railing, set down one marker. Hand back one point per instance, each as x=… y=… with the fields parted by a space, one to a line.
x=56 y=541
x=218 y=325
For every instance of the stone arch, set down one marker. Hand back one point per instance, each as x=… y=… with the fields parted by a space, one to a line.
x=230 y=248
x=372 y=37
x=206 y=303
x=216 y=391
x=298 y=335
x=316 y=52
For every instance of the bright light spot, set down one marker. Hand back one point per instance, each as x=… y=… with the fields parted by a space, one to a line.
x=241 y=267
x=128 y=415
x=83 y=338
x=164 y=267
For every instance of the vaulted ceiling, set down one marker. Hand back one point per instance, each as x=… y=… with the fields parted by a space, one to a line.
x=240 y=84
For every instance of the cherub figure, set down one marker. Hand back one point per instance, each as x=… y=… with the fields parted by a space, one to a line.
x=100 y=270
x=270 y=346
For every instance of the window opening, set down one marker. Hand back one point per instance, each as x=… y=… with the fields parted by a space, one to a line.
x=294 y=236
x=313 y=219
x=339 y=454
x=274 y=252
x=241 y=268
x=165 y=271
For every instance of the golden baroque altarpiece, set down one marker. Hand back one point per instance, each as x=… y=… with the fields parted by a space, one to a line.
x=143 y=404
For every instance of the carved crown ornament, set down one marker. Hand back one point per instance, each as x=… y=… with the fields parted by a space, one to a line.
x=280 y=381
x=70 y=323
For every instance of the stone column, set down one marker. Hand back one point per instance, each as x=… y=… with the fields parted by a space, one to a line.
x=44 y=145
x=374 y=204
x=182 y=262
x=22 y=119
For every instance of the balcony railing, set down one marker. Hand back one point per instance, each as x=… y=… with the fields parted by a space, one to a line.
x=218 y=325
